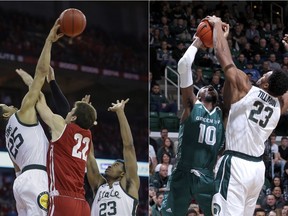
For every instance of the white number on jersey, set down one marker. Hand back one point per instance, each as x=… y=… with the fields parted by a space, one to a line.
x=207 y=134
x=108 y=208
x=80 y=140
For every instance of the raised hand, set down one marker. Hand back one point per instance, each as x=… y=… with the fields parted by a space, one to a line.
x=27 y=78
x=53 y=36
x=118 y=105
x=86 y=99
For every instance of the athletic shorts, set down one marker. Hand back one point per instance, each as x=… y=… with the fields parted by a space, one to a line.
x=61 y=205
x=238 y=183
x=185 y=185
x=31 y=193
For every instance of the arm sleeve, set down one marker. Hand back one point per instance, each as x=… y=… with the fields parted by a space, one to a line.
x=62 y=106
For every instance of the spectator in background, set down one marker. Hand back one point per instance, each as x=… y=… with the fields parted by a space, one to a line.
x=272 y=213
x=259 y=212
x=254 y=72
x=241 y=62
x=269 y=203
x=265 y=67
x=265 y=32
x=191 y=212
x=163 y=135
x=277 y=192
x=165 y=159
x=158 y=101
x=283 y=153
x=157 y=206
x=152 y=156
x=262 y=48
x=167 y=147
x=178 y=51
x=257 y=62
x=273 y=64
x=198 y=80
x=160 y=179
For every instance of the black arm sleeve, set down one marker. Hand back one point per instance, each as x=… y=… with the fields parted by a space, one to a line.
x=61 y=103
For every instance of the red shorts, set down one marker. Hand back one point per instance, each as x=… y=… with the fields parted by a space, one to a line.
x=67 y=206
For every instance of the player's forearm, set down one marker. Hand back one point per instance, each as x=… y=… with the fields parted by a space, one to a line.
x=124 y=129
x=222 y=50
x=43 y=63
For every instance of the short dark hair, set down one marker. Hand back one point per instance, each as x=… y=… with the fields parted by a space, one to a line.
x=259 y=210
x=278 y=83
x=86 y=115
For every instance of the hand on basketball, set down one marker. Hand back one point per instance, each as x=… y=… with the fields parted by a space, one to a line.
x=53 y=36
x=213 y=20
x=27 y=78
x=118 y=106
x=197 y=42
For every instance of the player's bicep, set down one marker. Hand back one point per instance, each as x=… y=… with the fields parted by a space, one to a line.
x=131 y=166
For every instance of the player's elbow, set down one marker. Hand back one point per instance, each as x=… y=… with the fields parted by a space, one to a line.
x=183 y=65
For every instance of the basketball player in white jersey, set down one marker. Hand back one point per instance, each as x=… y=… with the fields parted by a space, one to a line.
x=117 y=192
x=26 y=142
x=253 y=114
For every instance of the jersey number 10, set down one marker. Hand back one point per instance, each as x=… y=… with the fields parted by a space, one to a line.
x=207 y=134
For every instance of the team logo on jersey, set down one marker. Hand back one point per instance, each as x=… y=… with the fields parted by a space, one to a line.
x=216 y=209
x=43 y=200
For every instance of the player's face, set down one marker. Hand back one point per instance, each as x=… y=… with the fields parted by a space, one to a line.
x=208 y=94
x=69 y=116
x=8 y=110
x=115 y=170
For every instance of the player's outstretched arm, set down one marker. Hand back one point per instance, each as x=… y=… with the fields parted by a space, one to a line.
x=62 y=104
x=129 y=153
x=238 y=80
x=186 y=79
x=42 y=69
x=94 y=176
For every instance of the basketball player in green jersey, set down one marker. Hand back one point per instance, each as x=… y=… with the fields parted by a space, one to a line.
x=201 y=137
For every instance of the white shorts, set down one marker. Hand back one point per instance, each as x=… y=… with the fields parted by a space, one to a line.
x=238 y=183
x=31 y=193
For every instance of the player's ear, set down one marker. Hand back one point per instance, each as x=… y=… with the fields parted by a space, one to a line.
x=73 y=118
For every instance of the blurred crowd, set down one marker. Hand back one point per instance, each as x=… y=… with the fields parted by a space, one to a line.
x=23 y=34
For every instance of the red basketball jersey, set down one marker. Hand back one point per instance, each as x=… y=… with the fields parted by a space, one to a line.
x=66 y=162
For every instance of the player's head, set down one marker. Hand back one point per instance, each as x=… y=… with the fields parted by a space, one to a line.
x=116 y=170
x=274 y=82
x=82 y=114
x=208 y=94
x=5 y=113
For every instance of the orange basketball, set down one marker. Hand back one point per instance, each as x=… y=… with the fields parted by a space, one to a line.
x=72 y=22
x=205 y=33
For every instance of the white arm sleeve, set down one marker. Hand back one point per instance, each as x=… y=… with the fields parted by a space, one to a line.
x=184 y=67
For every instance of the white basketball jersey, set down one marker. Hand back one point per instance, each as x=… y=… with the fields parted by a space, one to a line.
x=26 y=144
x=251 y=121
x=113 y=201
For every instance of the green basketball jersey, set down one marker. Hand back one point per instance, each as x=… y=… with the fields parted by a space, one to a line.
x=201 y=137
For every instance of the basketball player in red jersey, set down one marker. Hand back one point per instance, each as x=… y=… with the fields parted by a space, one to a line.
x=67 y=156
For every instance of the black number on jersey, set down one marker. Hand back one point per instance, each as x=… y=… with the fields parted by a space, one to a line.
x=259 y=108
x=108 y=208
x=15 y=141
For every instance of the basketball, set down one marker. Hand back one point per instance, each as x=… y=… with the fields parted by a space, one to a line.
x=205 y=33
x=72 y=22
